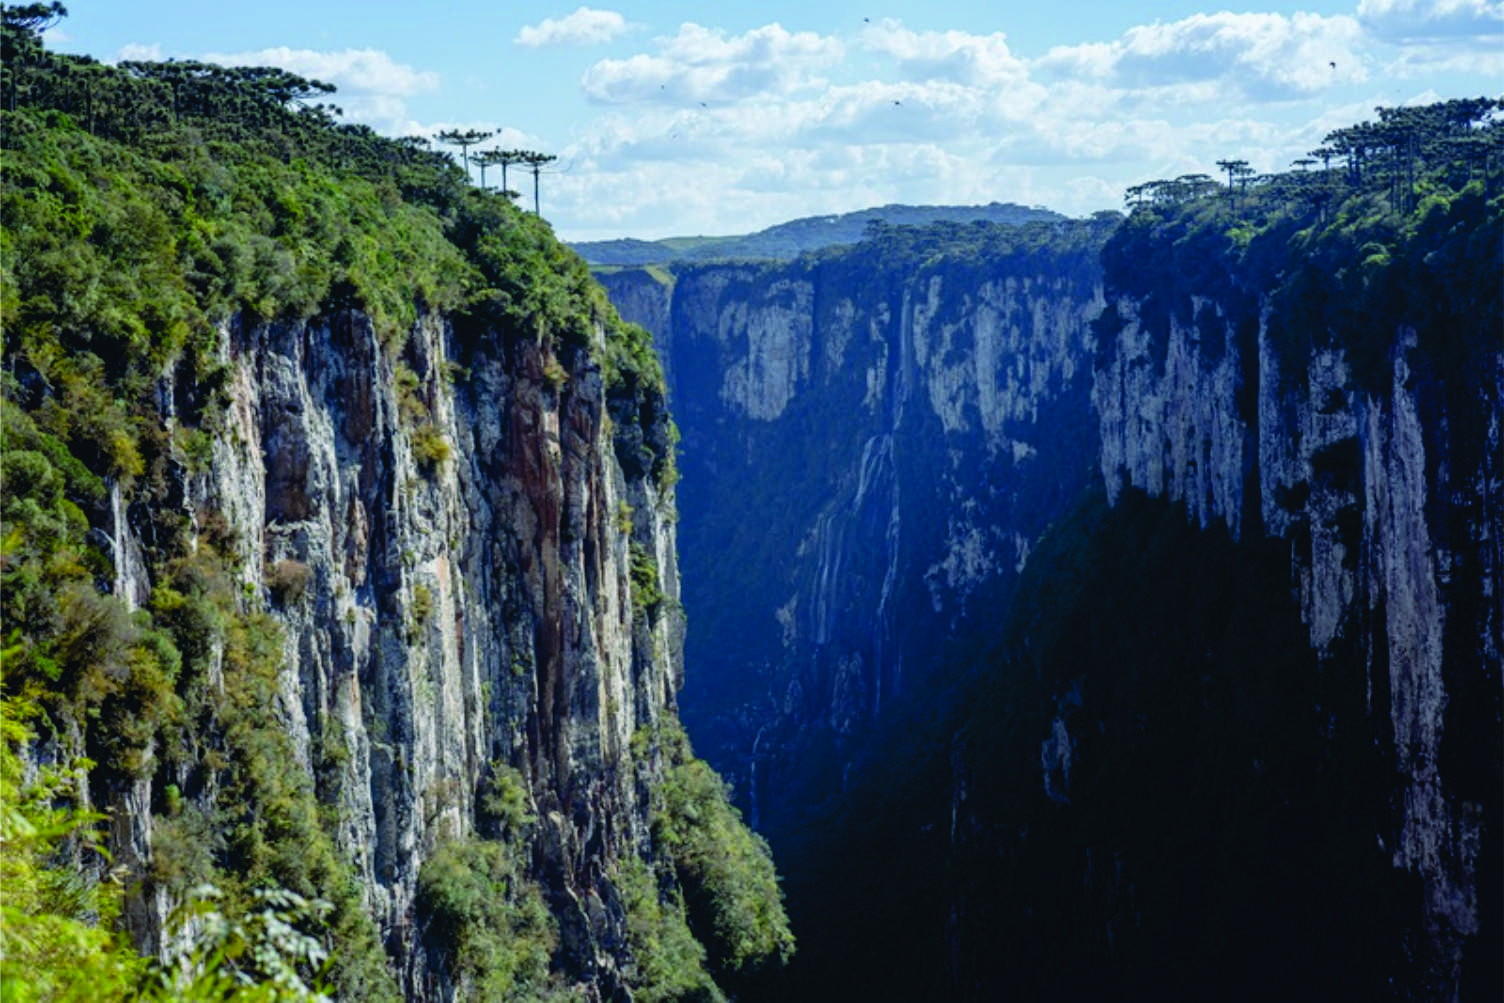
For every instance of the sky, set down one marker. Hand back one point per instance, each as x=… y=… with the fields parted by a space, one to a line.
x=672 y=118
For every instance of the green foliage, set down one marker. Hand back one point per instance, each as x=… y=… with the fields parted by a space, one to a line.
x=504 y=799
x=486 y=922
x=79 y=653
x=731 y=890
x=1408 y=234
x=669 y=963
x=430 y=449
x=264 y=954
x=411 y=406
x=422 y=605
x=55 y=919
x=57 y=937
x=647 y=595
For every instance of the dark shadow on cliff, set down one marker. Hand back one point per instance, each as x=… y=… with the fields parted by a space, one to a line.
x=1146 y=783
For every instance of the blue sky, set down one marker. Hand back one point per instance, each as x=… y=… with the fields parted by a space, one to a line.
x=675 y=118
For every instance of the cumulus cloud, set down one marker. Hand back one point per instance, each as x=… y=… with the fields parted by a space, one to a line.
x=956 y=56
x=1467 y=21
x=366 y=71
x=705 y=64
x=586 y=26
x=1251 y=56
x=372 y=87
x=706 y=131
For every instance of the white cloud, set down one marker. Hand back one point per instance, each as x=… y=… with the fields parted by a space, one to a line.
x=1466 y=21
x=814 y=125
x=139 y=53
x=361 y=71
x=705 y=64
x=586 y=26
x=977 y=60
x=1249 y=56
x=372 y=87
x=1438 y=36
x=706 y=131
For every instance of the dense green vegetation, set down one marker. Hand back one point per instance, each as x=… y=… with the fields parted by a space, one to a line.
x=705 y=915
x=1405 y=228
x=669 y=963
x=487 y=922
x=145 y=210
x=730 y=887
x=56 y=918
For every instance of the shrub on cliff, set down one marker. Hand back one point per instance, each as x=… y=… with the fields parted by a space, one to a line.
x=486 y=922
x=731 y=889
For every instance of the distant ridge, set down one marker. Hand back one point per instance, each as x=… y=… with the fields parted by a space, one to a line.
x=789 y=240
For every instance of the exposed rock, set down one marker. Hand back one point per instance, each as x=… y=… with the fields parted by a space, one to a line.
x=448 y=612
x=1358 y=485
x=868 y=452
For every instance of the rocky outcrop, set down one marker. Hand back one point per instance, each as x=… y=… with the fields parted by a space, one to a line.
x=445 y=534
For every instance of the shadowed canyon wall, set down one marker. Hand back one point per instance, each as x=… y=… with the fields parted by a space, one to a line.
x=879 y=442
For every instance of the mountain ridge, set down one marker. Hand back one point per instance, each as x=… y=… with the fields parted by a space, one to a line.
x=787 y=240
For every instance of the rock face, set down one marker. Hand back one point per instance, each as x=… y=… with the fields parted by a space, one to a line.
x=874 y=444
x=871 y=446
x=1390 y=497
x=458 y=525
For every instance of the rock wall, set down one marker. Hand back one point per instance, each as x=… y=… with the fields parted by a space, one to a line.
x=1390 y=498
x=870 y=450
x=873 y=447
x=459 y=525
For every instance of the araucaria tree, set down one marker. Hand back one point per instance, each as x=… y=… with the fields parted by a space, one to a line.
x=490 y=158
x=464 y=140
x=1237 y=170
x=536 y=161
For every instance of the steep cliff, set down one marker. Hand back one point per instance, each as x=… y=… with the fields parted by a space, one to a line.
x=1359 y=421
x=457 y=620
x=1220 y=715
x=340 y=539
x=873 y=440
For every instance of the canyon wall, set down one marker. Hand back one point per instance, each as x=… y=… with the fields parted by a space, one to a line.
x=878 y=440
x=872 y=442
x=1387 y=490
x=448 y=612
